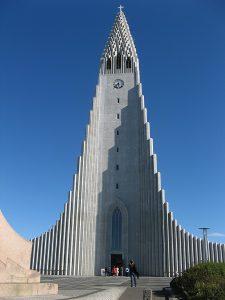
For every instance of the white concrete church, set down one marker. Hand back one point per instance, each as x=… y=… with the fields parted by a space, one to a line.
x=116 y=209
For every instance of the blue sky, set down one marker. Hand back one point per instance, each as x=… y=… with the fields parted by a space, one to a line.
x=49 y=58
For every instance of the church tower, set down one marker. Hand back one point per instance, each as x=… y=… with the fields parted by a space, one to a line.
x=116 y=209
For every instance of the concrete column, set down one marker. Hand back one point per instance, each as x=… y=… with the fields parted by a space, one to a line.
x=47 y=253
x=91 y=194
x=170 y=219
x=215 y=250
x=167 y=248
x=44 y=254
x=152 y=215
x=80 y=217
x=191 y=250
x=55 y=256
x=179 y=249
x=38 y=254
x=67 y=241
x=77 y=216
x=183 y=248
x=64 y=238
x=187 y=250
x=54 y=250
x=161 y=233
x=147 y=198
x=141 y=235
x=219 y=253
x=223 y=252
x=89 y=189
x=87 y=195
x=203 y=249
x=60 y=226
x=211 y=252
x=199 y=247
x=175 y=250
x=84 y=265
x=82 y=212
x=195 y=250
x=159 y=225
x=96 y=185
x=140 y=241
x=71 y=251
x=51 y=252
x=32 y=265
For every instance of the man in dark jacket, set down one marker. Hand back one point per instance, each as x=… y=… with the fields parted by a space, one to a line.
x=133 y=273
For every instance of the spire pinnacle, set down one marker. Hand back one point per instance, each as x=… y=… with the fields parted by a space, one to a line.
x=120 y=8
x=119 y=47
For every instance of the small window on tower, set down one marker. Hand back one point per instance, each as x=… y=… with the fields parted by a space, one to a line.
x=117 y=186
x=118 y=61
x=118 y=100
x=108 y=64
x=117 y=167
x=118 y=116
x=117 y=149
x=117 y=132
x=128 y=63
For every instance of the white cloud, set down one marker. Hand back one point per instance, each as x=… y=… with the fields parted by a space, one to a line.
x=217 y=234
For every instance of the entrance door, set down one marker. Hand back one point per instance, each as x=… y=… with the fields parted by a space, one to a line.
x=116 y=260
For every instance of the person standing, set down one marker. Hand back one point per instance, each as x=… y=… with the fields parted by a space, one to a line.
x=133 y=273
x=114 y=271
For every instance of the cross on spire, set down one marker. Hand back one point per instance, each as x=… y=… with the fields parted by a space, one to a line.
x=120 y=8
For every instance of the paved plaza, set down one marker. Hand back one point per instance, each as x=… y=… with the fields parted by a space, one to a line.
x=101 y=288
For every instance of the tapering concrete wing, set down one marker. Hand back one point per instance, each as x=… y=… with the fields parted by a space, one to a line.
x=15 y=253
x=16 y=278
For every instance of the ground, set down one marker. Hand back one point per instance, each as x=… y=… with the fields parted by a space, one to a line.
x=101 y=288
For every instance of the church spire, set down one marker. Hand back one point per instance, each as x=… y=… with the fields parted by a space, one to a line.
x=119 y=55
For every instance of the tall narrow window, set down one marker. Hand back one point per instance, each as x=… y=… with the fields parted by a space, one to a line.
x=117 y=167
x=118 y=61
x=116 y=230
x=118 y=116
x=118 y=100
x=117 y=132
x=117 y=149
x=117 y=186
x=128 y=63
x=108 y=64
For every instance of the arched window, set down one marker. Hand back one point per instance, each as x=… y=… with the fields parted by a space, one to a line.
x=118 y=61
x=117 y=230
x=108 y=64
x=128 y=63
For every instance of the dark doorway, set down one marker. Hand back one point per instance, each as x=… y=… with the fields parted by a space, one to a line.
x=116 y=260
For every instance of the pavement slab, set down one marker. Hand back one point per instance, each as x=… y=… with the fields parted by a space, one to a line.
x=100 y=288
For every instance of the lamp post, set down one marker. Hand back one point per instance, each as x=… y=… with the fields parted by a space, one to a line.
x=205 y=243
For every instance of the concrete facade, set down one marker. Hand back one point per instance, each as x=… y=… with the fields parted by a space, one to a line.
x=117 y=171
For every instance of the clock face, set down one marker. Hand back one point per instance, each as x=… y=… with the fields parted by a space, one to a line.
x=118 y=84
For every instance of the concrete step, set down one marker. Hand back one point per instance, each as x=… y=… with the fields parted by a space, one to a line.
x=132 y=293
x=96 y=282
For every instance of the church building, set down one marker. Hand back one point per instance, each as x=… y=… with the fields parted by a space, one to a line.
x=116 y=209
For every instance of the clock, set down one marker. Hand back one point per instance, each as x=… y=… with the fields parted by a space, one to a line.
x=118 y=84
